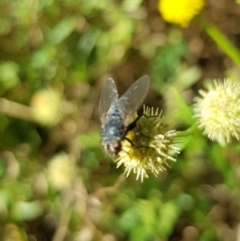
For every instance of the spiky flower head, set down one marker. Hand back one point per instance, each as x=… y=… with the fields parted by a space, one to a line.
x=218 y=110
x=149 y=146
x=61 y=171
x=180 y=11
x=46 y=106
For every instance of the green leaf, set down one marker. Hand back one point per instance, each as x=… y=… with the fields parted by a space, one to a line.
x=90 y=140
x=166 y=62
x=25 y=211
x=62 y=30
x=139 y=220
x=169 y=214
x=8 y=75
x=184 y=111
x=221 y=40
x=187 y=77
x=131 y=6
x=43 y=56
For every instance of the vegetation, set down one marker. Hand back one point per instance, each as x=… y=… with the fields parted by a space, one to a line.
x=57 y=183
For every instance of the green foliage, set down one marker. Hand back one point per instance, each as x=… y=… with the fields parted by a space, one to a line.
x=185 y=113
x=222 y=41
x=9 y=75
x=148 y=219
x=57 y=183
x=167 y=59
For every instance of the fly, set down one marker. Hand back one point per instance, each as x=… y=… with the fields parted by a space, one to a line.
x=116 y=113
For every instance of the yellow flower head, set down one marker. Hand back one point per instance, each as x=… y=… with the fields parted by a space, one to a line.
x=148 y=147
x=217 y=110
x=180 y=11
x=61 y=171
x=46 y=107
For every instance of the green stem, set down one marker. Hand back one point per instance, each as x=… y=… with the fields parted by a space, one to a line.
x=189 y=132
x=221 y=40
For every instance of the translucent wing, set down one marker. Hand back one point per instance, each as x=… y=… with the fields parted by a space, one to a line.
x=133 y=98
x=108 y=97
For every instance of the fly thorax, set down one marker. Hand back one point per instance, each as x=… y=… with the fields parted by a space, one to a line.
x=113 y=128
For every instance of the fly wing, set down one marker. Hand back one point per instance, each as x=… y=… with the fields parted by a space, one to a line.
x=108 y=97
x=133 y=98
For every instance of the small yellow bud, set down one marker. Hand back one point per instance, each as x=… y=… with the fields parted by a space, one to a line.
x=60 y=171
x=46 y=107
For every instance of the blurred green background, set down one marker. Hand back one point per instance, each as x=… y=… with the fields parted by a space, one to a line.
x=56 y=181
